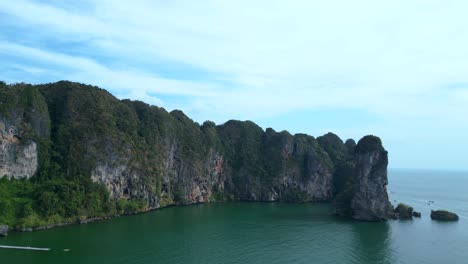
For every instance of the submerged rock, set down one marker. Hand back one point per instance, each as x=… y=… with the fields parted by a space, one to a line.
x=443 y=215
x=3 y=230
x=370 y=200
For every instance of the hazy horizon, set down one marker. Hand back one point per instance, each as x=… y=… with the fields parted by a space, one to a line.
x=396 y=70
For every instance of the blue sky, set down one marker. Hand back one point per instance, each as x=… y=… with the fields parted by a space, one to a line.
x=396 y=69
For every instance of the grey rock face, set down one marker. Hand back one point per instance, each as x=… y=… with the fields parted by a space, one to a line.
x=113 y=177
x=3 y=230
x=301 y=175
x=194 y=183
x=370 y=201
x=18 y=159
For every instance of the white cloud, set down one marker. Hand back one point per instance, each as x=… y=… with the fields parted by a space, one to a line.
x=260 y=59
x=134 y=84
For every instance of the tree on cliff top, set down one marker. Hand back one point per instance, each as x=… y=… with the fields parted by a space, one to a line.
x=369 y=143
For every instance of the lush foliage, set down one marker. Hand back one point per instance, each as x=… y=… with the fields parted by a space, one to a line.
x=30 y=204
x=343 y=161
x=369 y=143
x=62 y=190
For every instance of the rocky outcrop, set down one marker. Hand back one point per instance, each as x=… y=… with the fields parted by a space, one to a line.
x=274 y=166
x=145 y=154
x=404 y=211
x=443 y=215
x=24 y=121
x=18 y=158
x=116 y=179
x=293 y=171
x=3 y=230
x=370 y=199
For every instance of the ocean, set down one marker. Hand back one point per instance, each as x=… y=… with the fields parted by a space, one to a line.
x=244 y=232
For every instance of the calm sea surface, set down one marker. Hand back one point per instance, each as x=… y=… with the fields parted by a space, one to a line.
x=267 y=232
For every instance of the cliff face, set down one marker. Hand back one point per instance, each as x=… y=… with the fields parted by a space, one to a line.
x=248 y=164
x=370 y=201
x=17 y=159
x=143 y=153
x=23 y=121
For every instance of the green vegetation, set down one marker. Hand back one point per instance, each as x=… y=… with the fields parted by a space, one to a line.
x=334 y=146
x=369 y=143
x=343 y=160
x=61 y=191
x=79 y=127
x=295 y=196
x=243 y=142
x=31 y=204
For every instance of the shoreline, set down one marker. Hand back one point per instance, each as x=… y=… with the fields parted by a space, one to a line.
x=100 y=219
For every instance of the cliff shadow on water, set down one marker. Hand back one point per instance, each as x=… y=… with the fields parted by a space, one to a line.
x=72 y=152
x=372 y=243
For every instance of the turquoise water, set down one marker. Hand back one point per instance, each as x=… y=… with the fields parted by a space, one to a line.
x=266 y=232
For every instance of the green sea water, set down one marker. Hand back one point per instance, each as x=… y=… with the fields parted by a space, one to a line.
x=266 y=232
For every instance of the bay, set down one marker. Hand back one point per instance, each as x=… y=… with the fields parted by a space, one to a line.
x=267 y=232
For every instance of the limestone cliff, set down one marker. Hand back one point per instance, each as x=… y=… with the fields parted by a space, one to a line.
x=18 y=159
x=370 y=200
x=143 y=153
x=23 y=121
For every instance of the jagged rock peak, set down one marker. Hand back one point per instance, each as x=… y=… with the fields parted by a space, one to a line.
x=370 y=199
x=369 y=143
x=350 y=144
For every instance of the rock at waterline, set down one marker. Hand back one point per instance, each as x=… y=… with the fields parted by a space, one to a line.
x=404 y=211
x=416 y=214
x=443 y=215
x=3 y=230
x=370 y=199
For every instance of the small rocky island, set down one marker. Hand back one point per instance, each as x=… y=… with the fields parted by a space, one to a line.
x=443 y=215
x=403 y=211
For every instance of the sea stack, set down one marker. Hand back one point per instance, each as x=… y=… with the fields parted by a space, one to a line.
x=370 y=199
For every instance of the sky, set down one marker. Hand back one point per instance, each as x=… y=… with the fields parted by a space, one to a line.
x=395 y=69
